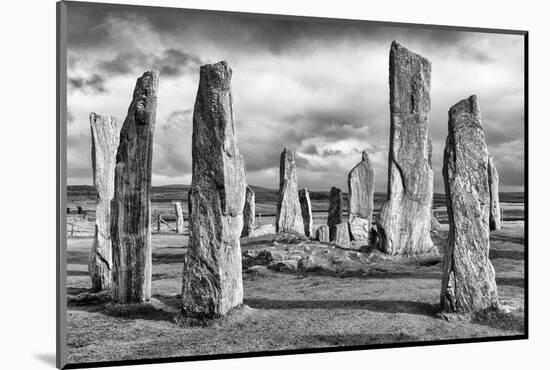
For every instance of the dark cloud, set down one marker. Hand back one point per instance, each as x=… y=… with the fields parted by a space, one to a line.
x=170 y=62
x=93 y=84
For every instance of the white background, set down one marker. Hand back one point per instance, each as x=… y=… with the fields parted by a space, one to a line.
x=27 y=214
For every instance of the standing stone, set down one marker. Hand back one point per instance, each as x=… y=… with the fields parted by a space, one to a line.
x=289 y=214
x=179 y=217
x=212 y=272
x=305 y=204
x=131 y=205
x=105 y=133
x=361 y=199
x=494 y=214
x=322 y=234
x=468 y=275
x=335 y=211
x=249 y=212
x=341 y=234
x=404 y=222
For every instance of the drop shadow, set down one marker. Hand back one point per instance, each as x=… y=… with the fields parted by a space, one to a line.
x=46 y=358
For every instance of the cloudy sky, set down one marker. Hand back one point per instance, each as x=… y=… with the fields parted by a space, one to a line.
x=317 y=87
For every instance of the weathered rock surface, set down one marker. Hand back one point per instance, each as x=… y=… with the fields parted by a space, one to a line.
x=494 y=214
x=179 y=217
x=361 y=199
x=322 y=234
x=404 y=223
x=468 y=275
x=307 y=216
x=105 y=137
x=249 y=212
x=335 y=210
x=130 y=208
x=302 y=255
x=289 y=214
x=263 y=230
x=341 y=234
x=212 y=273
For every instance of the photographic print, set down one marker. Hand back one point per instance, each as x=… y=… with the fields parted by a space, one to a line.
x=235 y=184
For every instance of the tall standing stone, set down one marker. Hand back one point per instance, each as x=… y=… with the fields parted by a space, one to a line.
x=404 y=222
x=307 y=215
x=468 y=275
x=289 y=214
x=494 y=214
x=335 y=211
x=105 y=136
x=212 y=272
x=179 y=217
x=131 y=205
x=249 y=212
x=361 y=199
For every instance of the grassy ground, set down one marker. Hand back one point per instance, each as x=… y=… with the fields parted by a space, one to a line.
x=392 y=302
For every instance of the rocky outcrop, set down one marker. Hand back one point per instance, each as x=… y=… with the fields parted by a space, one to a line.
x=289 y=214
x=179 y=217
x=341 y=234
x=212 y=272
x=130 y=208
x=494 y=213
x=249 y=212
x=263 y=230
x=105 y=137
x=307 y=216
x=468 y=275
x=435 y=225
x=322 y=233
x=361 y=199
x=404 y=223
x=335 y=211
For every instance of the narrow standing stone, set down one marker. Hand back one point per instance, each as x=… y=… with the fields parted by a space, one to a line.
x=404 y=222
x=305 y=204
x=249 y=212
x=179 y=217
x=361 y=199
x=131 y=205
x=322 y=234
x=105 y=135
x=289 y=214
x=335 y=211
x=494 y=214
x=212 y=272
x=468 y=275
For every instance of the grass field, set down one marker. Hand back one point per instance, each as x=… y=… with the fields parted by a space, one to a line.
x=384 y=301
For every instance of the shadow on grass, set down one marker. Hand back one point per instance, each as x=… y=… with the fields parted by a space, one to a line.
x=517 y=282
x=167 y=258
x=509 y=239
x=410 y=307
x=507 y=254
x=77 y=273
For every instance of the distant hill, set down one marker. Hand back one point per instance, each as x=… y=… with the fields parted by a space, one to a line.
x=174 y=192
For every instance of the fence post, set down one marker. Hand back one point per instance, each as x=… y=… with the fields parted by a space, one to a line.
x=501 y=214
x=158 y=221
x=259 y=219
x=72 y=229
